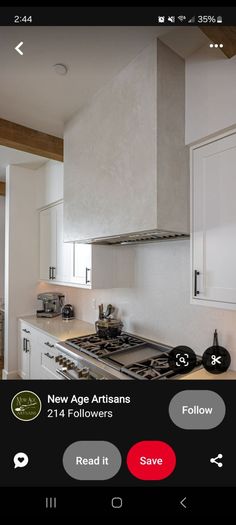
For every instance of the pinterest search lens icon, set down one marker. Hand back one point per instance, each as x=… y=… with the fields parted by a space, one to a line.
x=20 y=460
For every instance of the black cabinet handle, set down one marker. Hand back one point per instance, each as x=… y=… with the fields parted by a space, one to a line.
x=196 y=291
x=50 y=272
x=49 y=344
x=26 y=346
x=49 y=355
x=53 y=272
x=86 y=275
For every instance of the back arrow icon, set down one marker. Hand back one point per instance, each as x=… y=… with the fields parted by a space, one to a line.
x=182 y=502
x=17 y=48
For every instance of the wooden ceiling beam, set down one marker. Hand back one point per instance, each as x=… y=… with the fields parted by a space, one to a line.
x=222 y=35
x=30 y=140
x=2 y=188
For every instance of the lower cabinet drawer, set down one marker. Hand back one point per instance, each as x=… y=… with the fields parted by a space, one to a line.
x=48 y=363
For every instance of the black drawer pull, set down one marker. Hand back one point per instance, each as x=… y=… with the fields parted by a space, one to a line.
x=49 y=355
x=49 y=344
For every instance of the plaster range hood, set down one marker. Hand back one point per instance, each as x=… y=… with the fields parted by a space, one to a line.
x=126 y=163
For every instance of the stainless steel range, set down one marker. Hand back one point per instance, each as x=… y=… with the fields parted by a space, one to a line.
x=123 y=357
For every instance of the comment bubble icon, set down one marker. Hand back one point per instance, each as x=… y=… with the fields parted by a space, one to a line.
x=20 y=460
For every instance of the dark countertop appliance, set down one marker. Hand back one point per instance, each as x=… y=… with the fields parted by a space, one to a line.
x=52 y=304
x=67 y=312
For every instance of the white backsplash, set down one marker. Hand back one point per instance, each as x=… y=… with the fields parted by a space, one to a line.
x=158 y=307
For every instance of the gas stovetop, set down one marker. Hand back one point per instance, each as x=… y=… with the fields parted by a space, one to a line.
x=125 y=357
x=97 y=347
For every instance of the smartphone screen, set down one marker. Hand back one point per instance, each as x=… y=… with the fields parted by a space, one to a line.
x=117 y=261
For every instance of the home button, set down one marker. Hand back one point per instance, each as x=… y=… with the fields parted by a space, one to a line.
x=116 y=503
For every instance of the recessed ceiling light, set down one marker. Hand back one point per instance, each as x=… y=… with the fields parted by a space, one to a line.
x=60 y=69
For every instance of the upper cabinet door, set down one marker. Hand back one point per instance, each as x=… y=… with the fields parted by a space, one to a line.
x=64 y=266
x=54 y=253
x=48 y=241
x=50 y=181
x=82 y=264
x=214 y=223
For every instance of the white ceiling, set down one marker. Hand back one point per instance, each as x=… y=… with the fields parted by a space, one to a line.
x=12 y=156
x=32 y=94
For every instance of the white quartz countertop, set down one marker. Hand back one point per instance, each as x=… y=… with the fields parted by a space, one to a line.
x=59 y=328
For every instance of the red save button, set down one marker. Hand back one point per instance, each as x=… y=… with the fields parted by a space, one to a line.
x=151 y=460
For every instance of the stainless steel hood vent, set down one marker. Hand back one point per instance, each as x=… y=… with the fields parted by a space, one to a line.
x=139 y=238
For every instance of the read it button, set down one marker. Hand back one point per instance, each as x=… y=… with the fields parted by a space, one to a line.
x=151 y=460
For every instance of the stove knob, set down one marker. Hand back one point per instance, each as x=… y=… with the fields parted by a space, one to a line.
x=71 y=365
x=58 y=358
x=83 y=373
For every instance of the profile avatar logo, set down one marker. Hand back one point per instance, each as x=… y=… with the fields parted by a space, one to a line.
x=26 y=405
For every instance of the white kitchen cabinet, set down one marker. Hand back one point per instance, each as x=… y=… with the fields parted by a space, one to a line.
x=214 y=222
x=80 y=265
x=48 y=242
x=56 y=257
x=50 y=181
x=103 y=266
x=29 y=357
x=64 y=251
x=37 y=354
x=24 y=353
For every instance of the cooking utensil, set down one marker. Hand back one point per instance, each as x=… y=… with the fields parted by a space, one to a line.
x=101 y=313
x=109 y=310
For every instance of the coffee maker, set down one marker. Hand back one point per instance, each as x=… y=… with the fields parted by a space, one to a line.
x=52 y=304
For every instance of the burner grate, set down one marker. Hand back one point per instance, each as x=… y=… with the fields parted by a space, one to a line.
x=155 y=368
x=97 y=347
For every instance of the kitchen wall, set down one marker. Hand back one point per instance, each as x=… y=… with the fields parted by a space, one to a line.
x=210 y=93
x=2 y=243
x=158 y=306
x=21 y=258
